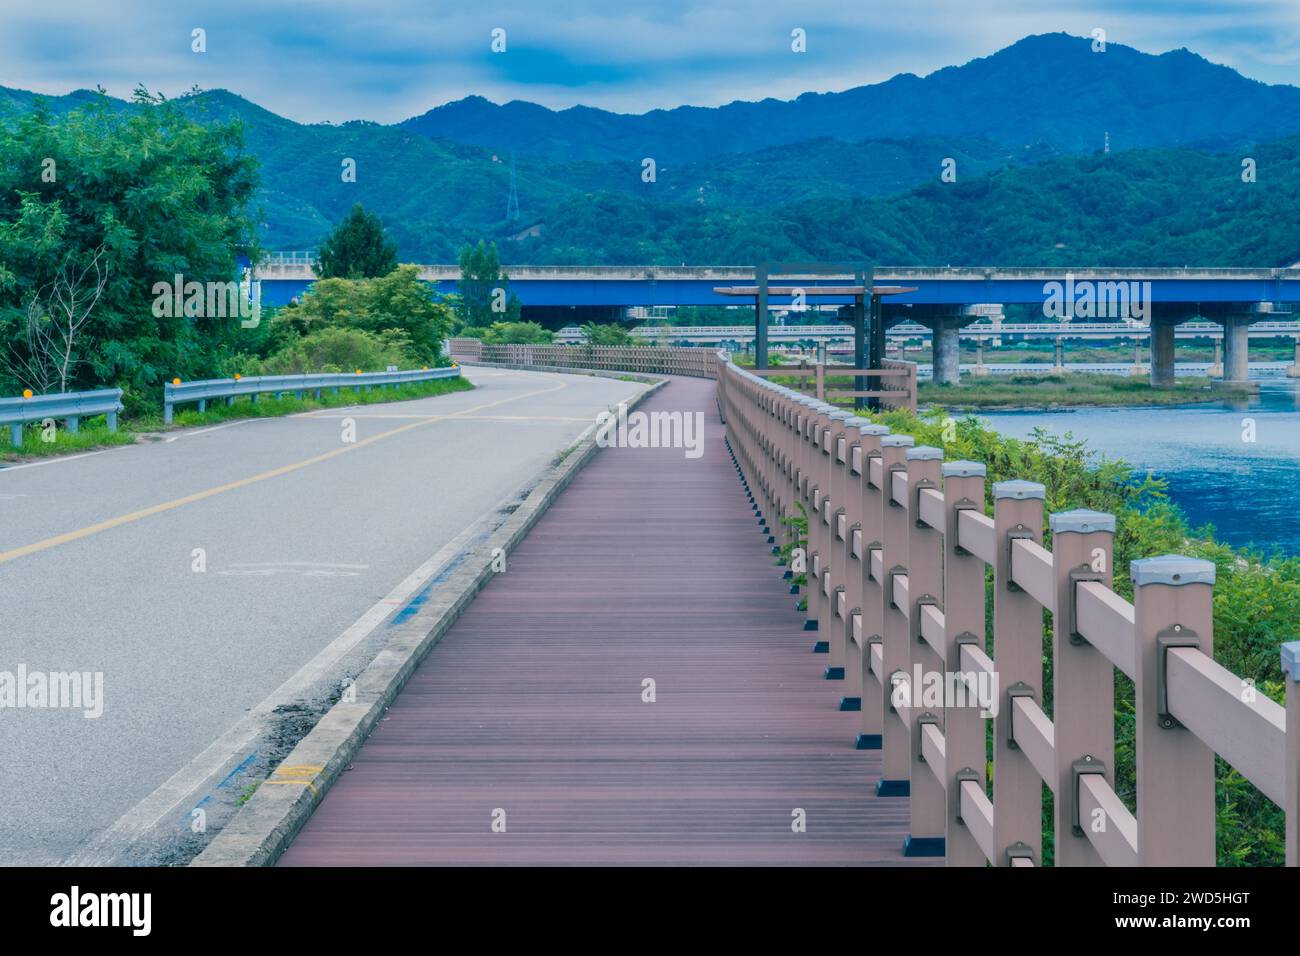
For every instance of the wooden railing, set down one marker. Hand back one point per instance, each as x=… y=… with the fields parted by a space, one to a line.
x=898 y=544
x=700 y=362
x=896 y=381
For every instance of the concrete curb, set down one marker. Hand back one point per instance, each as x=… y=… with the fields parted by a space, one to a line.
x=265 y=826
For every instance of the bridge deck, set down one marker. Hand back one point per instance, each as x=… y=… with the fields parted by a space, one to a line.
x=649 y=565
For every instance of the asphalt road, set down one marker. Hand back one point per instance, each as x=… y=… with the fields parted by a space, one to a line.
x=308 y=544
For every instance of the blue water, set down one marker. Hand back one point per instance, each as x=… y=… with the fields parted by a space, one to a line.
x=1249 y=491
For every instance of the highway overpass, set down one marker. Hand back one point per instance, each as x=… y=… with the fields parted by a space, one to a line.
x=945 y=298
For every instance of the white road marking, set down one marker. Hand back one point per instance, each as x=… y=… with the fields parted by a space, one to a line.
x=52 y=461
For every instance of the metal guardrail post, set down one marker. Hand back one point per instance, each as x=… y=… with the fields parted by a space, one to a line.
x=1172 y=607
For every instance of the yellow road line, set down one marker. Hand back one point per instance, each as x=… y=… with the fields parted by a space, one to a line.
x=111 y=523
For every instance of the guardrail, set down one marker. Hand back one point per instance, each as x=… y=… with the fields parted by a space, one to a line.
x=69 y=406
x=898 y=543
x=699 y=362
x=179 y=393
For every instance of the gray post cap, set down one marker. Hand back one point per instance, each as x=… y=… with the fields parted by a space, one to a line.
x=840 y=416
x=1081 y=520
x=1291 y=660
x=855 y=422
x=871 y=428
x=897 y=441
x=1171 y=569
x=1019 y=489
x=925 y=453
x=963 y=469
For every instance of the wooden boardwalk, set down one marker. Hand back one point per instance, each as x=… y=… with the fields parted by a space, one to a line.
x=650 y=565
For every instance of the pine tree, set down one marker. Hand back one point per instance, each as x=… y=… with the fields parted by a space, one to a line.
x=357 y=249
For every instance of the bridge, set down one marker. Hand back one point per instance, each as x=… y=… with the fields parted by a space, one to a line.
x=633 y=682
x=944 y=299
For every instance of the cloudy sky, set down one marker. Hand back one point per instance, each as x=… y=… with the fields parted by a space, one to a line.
x=314 y=60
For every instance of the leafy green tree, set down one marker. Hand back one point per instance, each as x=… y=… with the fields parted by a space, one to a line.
x=485 y=295
x=357 y=248
x=399 y=300
x=516 y=333
x=339 y=349
x=114 y=201
x=607 y=334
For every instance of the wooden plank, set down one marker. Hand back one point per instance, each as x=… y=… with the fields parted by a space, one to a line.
x=977 y=814
x=1116 y=840
x=932 y=627
x=1106 y=621
x=875 y=473
x=532 y=702
x=898 y=488
x=932 y=510
x=975 y=534
x=1031 y=569
x=1207 y=699
x=932 y=750
x=1036 y=737
x=904 y=606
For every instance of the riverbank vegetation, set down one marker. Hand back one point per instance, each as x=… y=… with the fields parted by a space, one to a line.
x=1256 y=597
x=1071 y=389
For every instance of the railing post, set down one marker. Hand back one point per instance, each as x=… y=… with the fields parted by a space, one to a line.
x=1172 y=607
x=1018 y=661
x=1291 y=675
x=964 y=745
x=1083 y=680
x=836 y=554
x=821 y=381
x=924 y=586
x=896 y=740
x=874 y=692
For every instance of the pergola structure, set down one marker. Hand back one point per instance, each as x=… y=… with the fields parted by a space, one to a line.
x=864 y=293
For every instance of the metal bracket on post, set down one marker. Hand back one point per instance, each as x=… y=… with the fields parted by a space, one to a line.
x=1018 y=689
x=1077 y=576
x=1019 y=851
x=965 y=504
x=835 y=523
x=866 y=557
x=965 y=637
x=964 y=774
x=1176 y=636
x=929 y=717
x=1018 y=533
x=856 y=526
x=893 y=572
x=921 y=485
x=1089 y=764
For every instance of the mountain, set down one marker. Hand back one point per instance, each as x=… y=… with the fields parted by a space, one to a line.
x=1049 y=89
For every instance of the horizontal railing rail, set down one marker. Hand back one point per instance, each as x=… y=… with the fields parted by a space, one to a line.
x=71 y=407
x=178 y=393
x=698 y=362
x=897 y=549
x=895 y=381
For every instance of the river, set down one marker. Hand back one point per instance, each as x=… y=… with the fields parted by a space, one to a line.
x=1249 y=490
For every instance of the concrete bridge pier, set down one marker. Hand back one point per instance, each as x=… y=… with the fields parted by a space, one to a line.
x=945 y=323
x=1162 y=352
x=1236 y=317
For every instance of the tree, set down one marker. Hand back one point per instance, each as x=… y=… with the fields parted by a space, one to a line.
x=610 y=334
x=357 y=248
x=398 y=301
x=98 y=206
x=516 y=333
x=485 y=295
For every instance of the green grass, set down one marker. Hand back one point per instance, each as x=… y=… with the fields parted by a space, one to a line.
x=97 y=435
x=1070 y=389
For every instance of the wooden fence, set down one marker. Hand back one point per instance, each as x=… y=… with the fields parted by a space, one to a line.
x=896 y=381
x=898 y=544
x=700 y=362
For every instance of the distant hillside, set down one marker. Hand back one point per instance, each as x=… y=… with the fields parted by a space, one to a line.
x=1050 y=89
